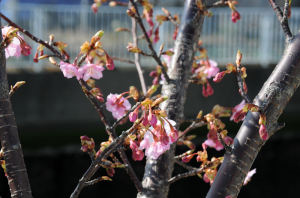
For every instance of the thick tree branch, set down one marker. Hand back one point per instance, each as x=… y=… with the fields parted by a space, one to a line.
x=272 y=99
x=15 y=167
x=158 y=172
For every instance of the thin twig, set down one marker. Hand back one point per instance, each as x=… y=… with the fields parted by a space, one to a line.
x=153 y=52
x=227 y=148
x=221 y=3
x=192 y=126
x=184 y=165
x=190 y=173
x=94 y=165
x=241 y=82
x=282 y=19
x=137 y=56
x=122 y=60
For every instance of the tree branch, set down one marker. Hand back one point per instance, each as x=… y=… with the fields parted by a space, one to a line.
x=159 y=171
x=15 y=167
x=136 y=55
x=89 y=96
x=150 y=46
x=272 y=99
x=94 y=165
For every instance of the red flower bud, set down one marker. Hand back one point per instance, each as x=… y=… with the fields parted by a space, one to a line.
x=263 y=132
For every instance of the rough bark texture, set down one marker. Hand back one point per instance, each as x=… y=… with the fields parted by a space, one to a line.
x=13 y=155
x=157 y=172
x=272 y=98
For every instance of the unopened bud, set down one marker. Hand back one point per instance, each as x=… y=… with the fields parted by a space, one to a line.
x=239 y=56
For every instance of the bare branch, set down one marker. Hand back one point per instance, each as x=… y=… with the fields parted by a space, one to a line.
x=137 y=56
x=193 y=125
x=122 y=60
x=190 y=173
x=184 y=165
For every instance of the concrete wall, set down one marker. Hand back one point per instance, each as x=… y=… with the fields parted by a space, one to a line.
x=51 y=99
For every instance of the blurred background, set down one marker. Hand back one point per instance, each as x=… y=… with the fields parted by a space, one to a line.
x=52 y=112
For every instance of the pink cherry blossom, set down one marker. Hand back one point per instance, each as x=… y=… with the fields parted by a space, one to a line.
x=26 y=49
x=118 y=105
x=17 y=45
x=219 y=76
x=213 y=141
x=167 y=59
x=13 y=49
x=237 y=112
x=69 y=70
x=137 y=154
x=249 y=176
x=158 y=140
x=210 y=68
x=90 y=71
x=263 y=132
x=133 y=116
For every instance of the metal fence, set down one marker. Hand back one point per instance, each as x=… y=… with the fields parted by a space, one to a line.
x=258 y=34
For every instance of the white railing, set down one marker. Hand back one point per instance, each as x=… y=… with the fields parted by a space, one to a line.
x=258 y=34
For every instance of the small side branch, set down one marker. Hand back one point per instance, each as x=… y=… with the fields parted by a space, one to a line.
x=217 y=4
x=137 y=56
x=94 y=165
x=227 y=148
x=241 y=82
x=282 y=17
x=190 y=173
x=184 y=165
x=153 y=52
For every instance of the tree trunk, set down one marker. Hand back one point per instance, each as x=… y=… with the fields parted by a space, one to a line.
x=13 y=156
x=157 y=172
x=272 y=98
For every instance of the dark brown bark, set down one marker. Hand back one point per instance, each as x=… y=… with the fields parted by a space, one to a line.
x=13 y=155
x=272 y=98
x=158 y=172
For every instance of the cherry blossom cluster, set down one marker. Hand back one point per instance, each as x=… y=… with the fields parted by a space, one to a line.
x=14 y=43
x=85 y=72
x=204 y=69
x=117 y=105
